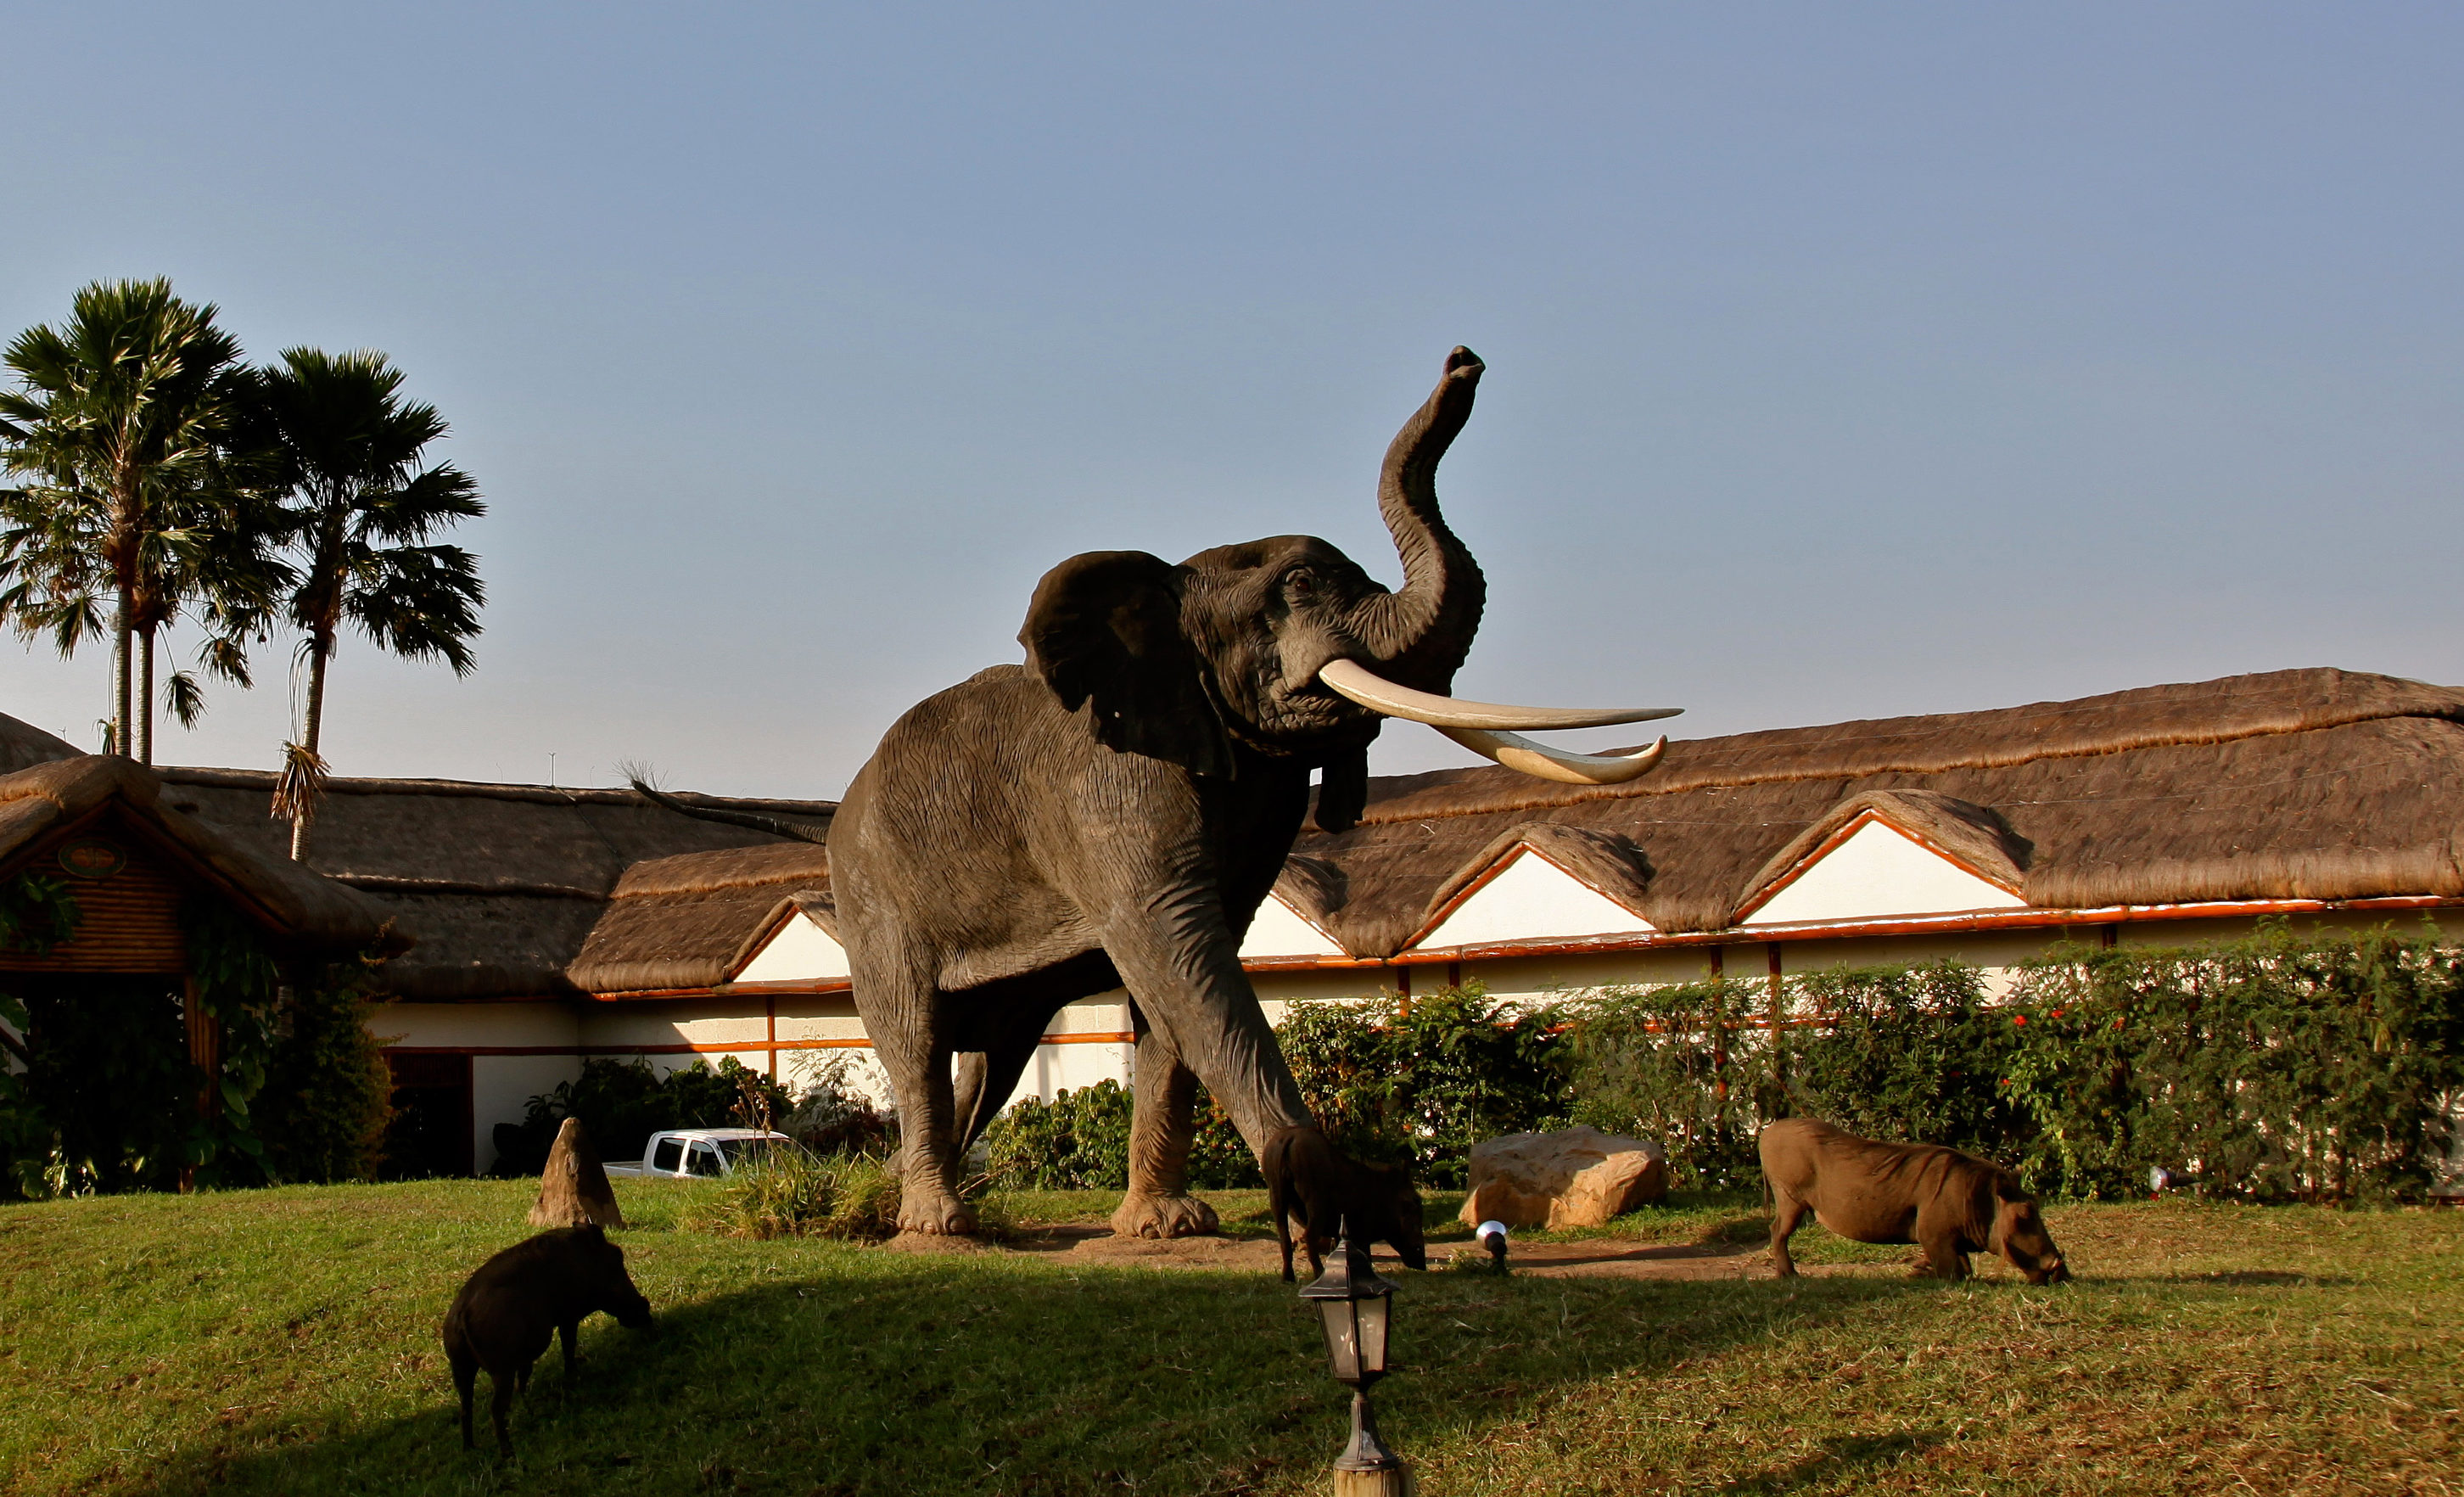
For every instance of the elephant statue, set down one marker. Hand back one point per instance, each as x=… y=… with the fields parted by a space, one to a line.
x=1112 y=812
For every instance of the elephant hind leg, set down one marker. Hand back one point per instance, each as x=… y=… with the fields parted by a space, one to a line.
x=987 y=1077
x=1162 y=1125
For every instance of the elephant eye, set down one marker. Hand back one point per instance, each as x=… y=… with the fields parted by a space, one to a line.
x=1300 y=584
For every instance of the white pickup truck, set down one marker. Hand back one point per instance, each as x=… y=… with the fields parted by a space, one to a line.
x=684 y=1153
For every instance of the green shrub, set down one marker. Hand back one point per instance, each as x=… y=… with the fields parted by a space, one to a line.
x=1219 y=1157
x=1079 y=1140
x=2270 y=1068
x=834 y=1116
x=322 y=1111
x=2274 y=1068
x=1689 y=1066
x=1415 y=1084
x=1419 y=1081
x=1906 y=1053
x=793 y=1193
x=622 y=1101
x=107 y=1101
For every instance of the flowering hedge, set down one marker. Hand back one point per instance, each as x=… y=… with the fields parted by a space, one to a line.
x=2273 y=1068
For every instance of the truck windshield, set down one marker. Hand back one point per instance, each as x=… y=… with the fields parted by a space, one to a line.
x=739 y=1149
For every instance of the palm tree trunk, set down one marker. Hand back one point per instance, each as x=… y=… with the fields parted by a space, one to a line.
x=122 y=635
x=315 y=724
x=146 y=696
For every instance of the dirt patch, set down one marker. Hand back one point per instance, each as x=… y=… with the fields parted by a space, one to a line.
x=928 y=1243
x=1601 y=1258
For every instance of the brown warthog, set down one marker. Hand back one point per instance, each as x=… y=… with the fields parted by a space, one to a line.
x=1944 y=1201
x=1309 y=1179
x=503 y=1316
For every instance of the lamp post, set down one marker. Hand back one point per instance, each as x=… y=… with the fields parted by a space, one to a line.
x=1355 y=1307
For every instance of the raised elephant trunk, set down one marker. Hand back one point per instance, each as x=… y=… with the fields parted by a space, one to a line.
x=1418 y=637
x=1421 y=635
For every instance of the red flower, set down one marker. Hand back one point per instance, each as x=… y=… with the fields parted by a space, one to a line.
x=2018 y=1019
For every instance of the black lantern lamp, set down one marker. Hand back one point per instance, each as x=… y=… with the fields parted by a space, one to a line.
x=1355 y=1310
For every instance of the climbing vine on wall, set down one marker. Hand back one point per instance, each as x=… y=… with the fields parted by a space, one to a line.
x=36 y=914
x=236 y=983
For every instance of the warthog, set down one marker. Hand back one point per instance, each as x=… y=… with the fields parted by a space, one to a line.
x=503 y=1316
x=1309 y=1179
x=1946 y=1202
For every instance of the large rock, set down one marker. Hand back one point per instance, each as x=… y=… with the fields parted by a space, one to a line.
x=573 y=1188
x=1577 y=1178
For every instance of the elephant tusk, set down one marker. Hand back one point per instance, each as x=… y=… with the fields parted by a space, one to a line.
x=1355 y=682
x=1519 y=753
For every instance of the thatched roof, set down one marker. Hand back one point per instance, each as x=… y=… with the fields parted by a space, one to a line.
x=2309 y=784
x=23 y=745
x=300 y=909
x=2296 y=784
x=689 y=921
x=501 y=885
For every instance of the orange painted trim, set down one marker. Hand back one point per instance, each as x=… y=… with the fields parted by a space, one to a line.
x=679 y=1048
x=1925 y=924
x=711 y=1047
x=1308 y=964
x=816 y=987
x=1833 y=843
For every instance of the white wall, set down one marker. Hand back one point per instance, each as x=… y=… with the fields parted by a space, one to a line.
x=799 y=951
x=1533 y=899
x=1877 y=873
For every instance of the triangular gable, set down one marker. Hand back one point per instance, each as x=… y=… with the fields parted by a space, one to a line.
x=1279 y=929
x=1872 y=870
x=1524 y=897
x=51 y=804
x=797 y=948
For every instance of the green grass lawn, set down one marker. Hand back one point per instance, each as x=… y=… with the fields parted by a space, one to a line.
x=285 y=1341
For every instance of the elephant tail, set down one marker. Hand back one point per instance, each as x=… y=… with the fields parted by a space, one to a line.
x=775 y=825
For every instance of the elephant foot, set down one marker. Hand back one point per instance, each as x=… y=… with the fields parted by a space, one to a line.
x=1144 y=1215
x=935 y=1213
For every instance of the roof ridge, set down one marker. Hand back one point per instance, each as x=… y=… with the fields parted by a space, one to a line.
x=1678 y=777
x=483 y=789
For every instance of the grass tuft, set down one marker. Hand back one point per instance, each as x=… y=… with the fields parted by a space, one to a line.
x=792 y=1193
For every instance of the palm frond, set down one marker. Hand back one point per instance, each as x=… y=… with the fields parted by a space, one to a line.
x=300 y=785
x=184 y=698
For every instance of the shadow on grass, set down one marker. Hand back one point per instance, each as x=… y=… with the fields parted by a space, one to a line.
x=2253 y=1279
x=881 y=1375
x=1842 y=1457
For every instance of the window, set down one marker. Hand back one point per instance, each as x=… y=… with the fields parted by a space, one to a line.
x=670 y=1155
x=703 y=1160
x=740 y=1150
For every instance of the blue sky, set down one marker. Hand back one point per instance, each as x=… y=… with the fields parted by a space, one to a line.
x=1844 y=360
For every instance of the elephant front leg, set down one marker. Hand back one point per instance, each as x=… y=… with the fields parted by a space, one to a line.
x=909 y=1038
x=1162 y=1127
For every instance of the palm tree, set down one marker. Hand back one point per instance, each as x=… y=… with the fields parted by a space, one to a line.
x=122 y=425
x=359 y=511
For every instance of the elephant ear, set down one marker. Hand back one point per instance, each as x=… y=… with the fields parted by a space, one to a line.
x=1104 y=631
x=1342 y=791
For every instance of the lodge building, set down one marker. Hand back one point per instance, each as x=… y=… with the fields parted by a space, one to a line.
x=539 y=927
